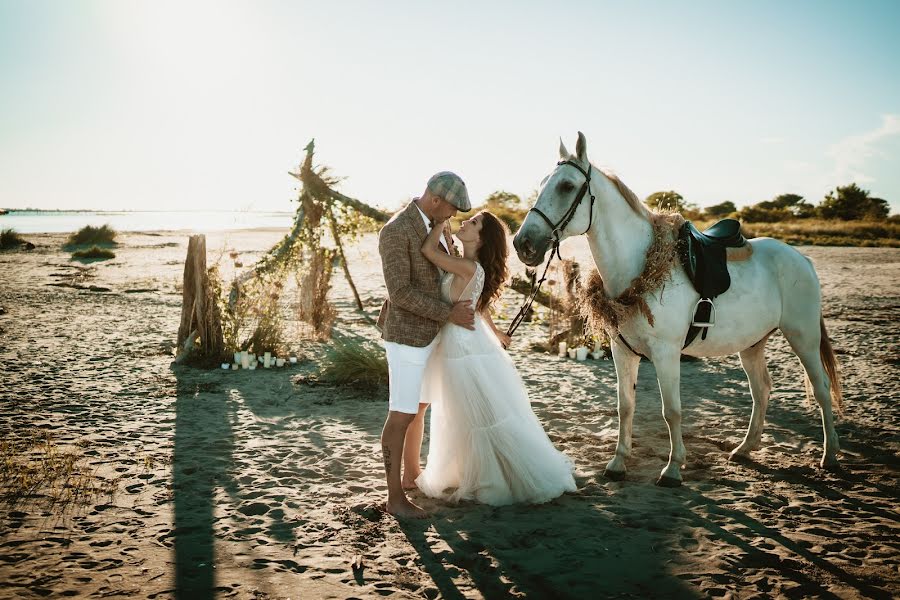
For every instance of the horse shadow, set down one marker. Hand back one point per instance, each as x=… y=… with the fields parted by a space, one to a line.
x=568 y=548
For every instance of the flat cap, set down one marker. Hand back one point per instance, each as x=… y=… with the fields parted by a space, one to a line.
x=451 y=188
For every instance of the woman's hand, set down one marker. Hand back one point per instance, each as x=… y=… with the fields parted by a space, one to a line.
x=433 y=239
x=505 y=340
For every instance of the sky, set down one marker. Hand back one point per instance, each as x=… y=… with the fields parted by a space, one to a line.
x=188 y=104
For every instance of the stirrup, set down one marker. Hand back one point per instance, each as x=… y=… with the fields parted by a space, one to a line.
x=712 y=314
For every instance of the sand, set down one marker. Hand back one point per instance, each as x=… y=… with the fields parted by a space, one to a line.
x=254 y=485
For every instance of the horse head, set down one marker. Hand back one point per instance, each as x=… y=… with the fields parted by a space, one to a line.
x=563 y=207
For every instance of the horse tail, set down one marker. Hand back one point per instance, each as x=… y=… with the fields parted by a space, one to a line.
x=829 y=361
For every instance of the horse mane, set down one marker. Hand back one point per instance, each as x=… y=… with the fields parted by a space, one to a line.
x=630 y=197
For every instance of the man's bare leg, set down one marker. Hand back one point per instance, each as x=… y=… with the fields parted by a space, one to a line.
x=412 y=449
x=392 y=438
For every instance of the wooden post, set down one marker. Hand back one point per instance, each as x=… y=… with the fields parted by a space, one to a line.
x=199 y=311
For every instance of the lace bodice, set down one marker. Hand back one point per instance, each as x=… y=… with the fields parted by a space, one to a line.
x=472 y=291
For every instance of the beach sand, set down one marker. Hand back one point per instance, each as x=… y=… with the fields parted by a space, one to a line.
x=255 y=485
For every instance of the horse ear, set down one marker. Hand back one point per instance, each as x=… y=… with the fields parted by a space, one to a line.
x=581 y=148
x=563 y=153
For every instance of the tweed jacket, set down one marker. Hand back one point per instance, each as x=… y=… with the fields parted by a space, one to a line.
x=413 y=312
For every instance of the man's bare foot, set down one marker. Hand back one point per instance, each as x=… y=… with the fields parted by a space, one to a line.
x=409 y=481
x=405 y=509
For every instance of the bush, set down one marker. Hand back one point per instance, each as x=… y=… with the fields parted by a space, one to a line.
x=94 y=252
x=850 y=202
x=357 y=363
x=719 y=211
x=10 y=238
x=507 y=207
x=93 y=236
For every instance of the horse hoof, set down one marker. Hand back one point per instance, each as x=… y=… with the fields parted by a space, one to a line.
x=830 y=464
x=739 y=457
x=614 y=475
x=668 y=482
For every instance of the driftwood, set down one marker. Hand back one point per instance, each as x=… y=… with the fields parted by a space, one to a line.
x=543 y=298
x=200 y=316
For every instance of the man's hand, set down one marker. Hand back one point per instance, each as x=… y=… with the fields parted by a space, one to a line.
x=462 y=314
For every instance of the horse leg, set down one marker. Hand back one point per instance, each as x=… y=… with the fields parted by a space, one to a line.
x=668 y=374
x=627 y=365
x=753 y=359
x=805 y=342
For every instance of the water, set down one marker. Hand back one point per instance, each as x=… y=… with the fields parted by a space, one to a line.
x=35 y=221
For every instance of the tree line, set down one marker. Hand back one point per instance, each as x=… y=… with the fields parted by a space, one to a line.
x=844 y=203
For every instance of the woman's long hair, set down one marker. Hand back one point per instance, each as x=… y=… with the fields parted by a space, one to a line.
x=492 y=255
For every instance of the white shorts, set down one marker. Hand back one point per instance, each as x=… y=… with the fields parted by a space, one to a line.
x=406 y=368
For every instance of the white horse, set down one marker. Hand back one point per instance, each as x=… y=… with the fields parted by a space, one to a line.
x=776 y=288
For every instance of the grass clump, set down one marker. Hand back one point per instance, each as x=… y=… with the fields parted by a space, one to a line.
x=33 y=466
x=356 y=363
x=10 y=238
x=821 y=232
x=93 y=236
x=94 y=253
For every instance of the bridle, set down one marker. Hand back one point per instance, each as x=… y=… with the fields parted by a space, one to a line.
x=556 y=230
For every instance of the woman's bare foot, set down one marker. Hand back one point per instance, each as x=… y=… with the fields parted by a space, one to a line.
x=405 y=510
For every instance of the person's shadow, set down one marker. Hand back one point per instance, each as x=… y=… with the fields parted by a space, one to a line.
x=209 y=439
x=201 y=464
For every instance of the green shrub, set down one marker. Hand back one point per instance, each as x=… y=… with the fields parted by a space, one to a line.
x=94 y=252
x=357 y=363
x=93 y=236
x=10 y=238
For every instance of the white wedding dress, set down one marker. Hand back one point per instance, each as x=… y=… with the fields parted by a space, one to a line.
x=486 y=443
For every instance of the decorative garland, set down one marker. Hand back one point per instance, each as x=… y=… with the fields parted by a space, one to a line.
x=604 y=313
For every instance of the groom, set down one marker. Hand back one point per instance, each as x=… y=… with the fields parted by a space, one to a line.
x=410 y=320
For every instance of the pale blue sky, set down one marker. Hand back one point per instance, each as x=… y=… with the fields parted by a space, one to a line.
x=186 y=104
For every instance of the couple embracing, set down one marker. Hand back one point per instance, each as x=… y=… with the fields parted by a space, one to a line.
x=444 y=351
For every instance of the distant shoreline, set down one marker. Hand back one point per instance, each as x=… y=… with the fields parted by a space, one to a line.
x=129 y=211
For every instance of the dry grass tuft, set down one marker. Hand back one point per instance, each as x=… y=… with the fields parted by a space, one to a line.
x=357 y=363
x=34 y=467
x=10 y=238
x=93 y=236
x=94 y=253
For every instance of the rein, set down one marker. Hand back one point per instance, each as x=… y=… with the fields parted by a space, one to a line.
x=555 y=232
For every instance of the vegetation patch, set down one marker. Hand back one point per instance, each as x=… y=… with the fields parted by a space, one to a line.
x=33 y=466
x=93 y=253
x=10 y=238
x=93 y=236
x=356 y=363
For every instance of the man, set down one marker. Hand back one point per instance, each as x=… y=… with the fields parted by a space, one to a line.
x=410 y=320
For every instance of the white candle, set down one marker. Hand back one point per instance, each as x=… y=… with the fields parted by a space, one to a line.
x=279 y=362
x=237 y=357
x=562 y=349
x=293 y=360
x=236 y=366
x=581 y=353
x=571 y=352
x=245 y=360
x=253 y=366
x=225 y=366
x=267 y=359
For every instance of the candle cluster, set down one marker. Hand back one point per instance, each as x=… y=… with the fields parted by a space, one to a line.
x=579 y=353
x=250 y=361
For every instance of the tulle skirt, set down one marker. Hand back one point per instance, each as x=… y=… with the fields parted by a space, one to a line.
x=486 y=444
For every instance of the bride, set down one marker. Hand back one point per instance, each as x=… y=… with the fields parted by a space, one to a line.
x=486 y=443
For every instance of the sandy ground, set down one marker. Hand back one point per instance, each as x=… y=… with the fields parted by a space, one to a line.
x=250 y=485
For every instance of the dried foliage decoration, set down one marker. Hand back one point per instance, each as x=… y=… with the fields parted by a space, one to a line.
x=605 y=313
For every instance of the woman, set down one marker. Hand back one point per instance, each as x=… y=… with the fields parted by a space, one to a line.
x=486 y=443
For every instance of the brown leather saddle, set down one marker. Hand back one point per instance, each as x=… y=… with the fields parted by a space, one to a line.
x=704 y=258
